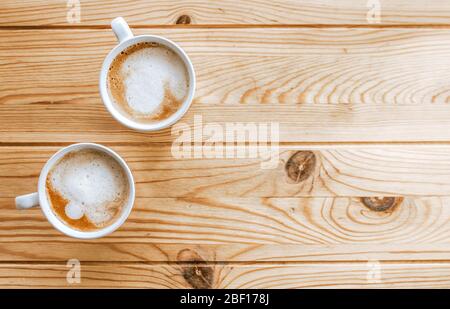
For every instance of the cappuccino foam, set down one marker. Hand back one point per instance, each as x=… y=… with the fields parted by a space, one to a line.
x=87 y=189
x=148 y=82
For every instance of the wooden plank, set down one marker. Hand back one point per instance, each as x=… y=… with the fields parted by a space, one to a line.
x=334 y=275
x=334 y=171
x=320 y=85
x=225 y=12
x=245 y=230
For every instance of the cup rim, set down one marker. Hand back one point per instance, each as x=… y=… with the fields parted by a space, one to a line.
x=139 y=126
x=55 y=221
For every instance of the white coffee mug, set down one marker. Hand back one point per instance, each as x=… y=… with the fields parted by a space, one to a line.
x=40 y=198
x=126 y=39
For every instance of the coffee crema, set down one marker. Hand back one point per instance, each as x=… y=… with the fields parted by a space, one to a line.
x=87 y=189
x=148 y=82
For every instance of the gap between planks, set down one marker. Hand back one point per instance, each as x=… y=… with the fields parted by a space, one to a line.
x=225 y=263
x=236 y=26
x=294 y=145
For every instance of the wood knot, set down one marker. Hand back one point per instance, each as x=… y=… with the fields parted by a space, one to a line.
x=381 y=203
x=301 y=165
x=183 y=20
x=198 y=274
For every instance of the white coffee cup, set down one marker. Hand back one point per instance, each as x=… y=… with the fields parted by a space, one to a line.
x=40 y=198
x=126 y=39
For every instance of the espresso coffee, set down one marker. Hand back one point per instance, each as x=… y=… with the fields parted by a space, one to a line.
x=148 y=82
x=87 y=189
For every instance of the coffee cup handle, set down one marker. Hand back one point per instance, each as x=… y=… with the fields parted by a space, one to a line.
x=27 y=201
x=121 y=29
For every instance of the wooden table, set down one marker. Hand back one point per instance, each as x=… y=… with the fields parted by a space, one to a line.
x=369 y=102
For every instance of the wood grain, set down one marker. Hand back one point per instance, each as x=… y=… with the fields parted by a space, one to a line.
x=335 y=275
x=225 y=12
x=364 y=167
x=320 y=85
x=244 y=230
x=337 y=171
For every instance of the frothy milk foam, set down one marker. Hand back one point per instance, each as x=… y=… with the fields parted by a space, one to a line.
x=92 y=186
x=148 y=81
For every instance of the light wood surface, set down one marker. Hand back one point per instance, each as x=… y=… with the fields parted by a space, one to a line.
x=224 y=12
x=367 y=170
x=245 y=230
x=335 y=275
x=363 y=175
x=320 y=85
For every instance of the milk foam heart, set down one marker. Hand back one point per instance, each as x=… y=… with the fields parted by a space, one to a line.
x=148 y=72
x=87 y=186
x=148 y=82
